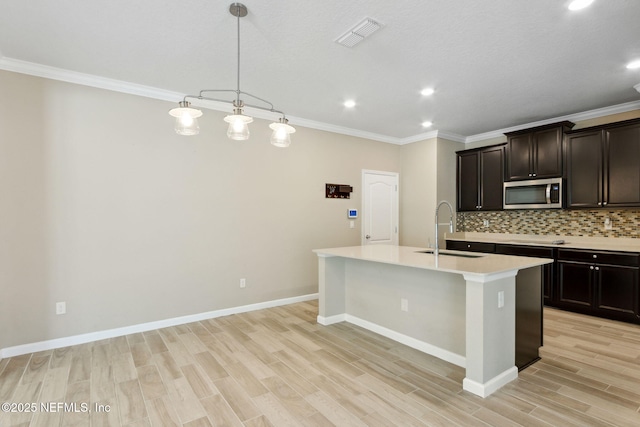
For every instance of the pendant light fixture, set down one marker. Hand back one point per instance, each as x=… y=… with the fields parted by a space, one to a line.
x=187 y=117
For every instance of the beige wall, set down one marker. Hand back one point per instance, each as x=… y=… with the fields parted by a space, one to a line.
x=428 y=176
x=418 y=189
x=103 y=206
x=446 y=180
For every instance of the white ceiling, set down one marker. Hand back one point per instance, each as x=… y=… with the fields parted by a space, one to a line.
x=494 y=64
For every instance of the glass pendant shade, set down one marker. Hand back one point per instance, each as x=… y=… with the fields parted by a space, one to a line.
x=186 y=119
x=238 y=126
x=187 y=125
x=281 y=131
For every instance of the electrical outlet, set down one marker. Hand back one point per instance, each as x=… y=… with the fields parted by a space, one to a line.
x=608 y=224
x=243 y=283
x=500 y=299
x=485 y=222
x=61 y=307
x=404 y=304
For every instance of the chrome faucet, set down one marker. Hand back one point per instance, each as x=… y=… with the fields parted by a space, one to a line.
x=444 y=202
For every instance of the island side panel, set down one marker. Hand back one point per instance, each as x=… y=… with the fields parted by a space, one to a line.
x=490 y=340
x=529 y=302
x=331 y=289
x=435 y=319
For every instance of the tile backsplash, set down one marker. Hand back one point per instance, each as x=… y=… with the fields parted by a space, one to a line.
x=565 y=222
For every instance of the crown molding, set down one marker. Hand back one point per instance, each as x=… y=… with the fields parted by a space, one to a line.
x=451 y=136
x=44 y=71
x=344 y=130
x=47 y=72
x=586 y=115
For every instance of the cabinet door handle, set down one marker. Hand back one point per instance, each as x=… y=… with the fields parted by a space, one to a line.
x=604 y=203
x=591 y=267
x=599 y=203
x=534 y=174
x=597 y=268
x=595 y=256
x=468 y=246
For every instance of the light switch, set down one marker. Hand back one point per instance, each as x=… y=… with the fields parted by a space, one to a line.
x=352 y=224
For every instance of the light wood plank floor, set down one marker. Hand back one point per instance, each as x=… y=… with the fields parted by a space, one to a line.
x=279 y=367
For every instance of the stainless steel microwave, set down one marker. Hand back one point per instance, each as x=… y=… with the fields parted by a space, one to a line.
x=533 y=194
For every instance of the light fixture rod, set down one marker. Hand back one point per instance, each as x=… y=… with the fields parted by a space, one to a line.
x=271 y=108
x=238 y=10
x=201 y=96
x=238 y=74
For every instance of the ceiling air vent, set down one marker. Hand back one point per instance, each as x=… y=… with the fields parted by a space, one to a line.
x=358 y=33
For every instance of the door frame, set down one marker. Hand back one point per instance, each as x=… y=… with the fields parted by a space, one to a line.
x=396 y=202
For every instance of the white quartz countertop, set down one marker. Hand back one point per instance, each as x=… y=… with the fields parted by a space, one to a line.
x=447 y=261
x=570 y=242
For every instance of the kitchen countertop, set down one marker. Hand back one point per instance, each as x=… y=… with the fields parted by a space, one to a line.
x=570 y=242
x=448 y=261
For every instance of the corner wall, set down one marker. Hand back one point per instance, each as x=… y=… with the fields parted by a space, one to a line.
x=418 y=192
x=428 y=176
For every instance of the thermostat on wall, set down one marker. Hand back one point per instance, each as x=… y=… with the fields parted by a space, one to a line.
x=353 y=213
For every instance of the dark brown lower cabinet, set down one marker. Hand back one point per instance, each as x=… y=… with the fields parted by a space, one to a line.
x=604 y=284
x=598 y=283
x=575 y=286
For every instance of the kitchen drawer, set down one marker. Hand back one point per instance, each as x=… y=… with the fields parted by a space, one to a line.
x=458 y=245
x=530 y=251
x=611 y=258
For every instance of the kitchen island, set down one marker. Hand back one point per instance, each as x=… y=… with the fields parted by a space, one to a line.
x=457 y=306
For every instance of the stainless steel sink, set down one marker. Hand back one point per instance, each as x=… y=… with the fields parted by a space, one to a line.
x=443 y=253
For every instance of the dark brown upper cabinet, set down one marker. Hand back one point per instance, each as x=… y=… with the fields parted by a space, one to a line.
x=535 y=153
x=603 y=166
x=480 y=179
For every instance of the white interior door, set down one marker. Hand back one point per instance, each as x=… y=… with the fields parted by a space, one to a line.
x=379 y=208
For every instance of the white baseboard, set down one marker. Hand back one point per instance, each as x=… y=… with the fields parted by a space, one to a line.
x=326 y=321
x=484 y=390
x=143 y=327
x=424 y=347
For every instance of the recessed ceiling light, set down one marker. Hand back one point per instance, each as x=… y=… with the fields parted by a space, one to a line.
x=633 y=65
x=579 y=4
x=427 y=91
x=350 y=103
x=427 y=124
